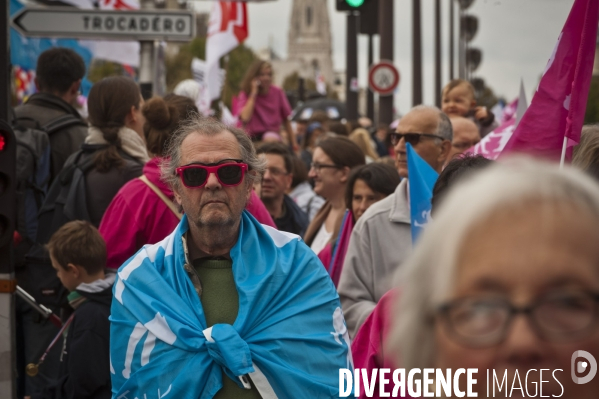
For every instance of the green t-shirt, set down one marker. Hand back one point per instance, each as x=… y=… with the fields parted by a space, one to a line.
x=220 y=301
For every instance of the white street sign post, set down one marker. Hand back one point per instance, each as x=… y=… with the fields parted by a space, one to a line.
x=142 y=25
x=383 y=78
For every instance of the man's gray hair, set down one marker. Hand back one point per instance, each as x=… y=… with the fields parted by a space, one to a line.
x=444 y=128
x=427 y=278
x=207 y=127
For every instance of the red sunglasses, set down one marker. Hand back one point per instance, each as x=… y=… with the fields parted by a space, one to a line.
x=229 y=174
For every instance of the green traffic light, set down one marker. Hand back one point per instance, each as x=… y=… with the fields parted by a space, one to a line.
x=354 y=3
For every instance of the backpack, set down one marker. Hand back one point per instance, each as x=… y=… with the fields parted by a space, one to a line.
x=65 y=201
x=33 y=175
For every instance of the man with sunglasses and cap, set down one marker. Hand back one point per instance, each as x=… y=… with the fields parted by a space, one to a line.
x=382 y=240
x=224 y=307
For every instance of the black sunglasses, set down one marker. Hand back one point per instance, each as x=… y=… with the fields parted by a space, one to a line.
x=412 y=138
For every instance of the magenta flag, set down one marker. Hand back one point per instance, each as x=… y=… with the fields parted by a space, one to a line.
x=558 y=107
x=493 y=143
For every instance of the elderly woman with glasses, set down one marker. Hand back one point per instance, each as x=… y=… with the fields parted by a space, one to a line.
x=508 y=283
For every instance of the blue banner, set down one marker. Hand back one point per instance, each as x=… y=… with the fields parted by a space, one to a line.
x=422 y=178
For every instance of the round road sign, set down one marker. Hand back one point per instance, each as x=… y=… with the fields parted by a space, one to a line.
x=383 y=78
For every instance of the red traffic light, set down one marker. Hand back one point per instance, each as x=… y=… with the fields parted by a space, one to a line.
x=2 y=142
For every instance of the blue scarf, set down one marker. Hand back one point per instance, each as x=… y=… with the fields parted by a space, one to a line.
x=289 y=335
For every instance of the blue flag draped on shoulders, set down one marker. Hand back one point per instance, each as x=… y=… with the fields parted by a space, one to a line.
x=422 y=178
x=289 y=336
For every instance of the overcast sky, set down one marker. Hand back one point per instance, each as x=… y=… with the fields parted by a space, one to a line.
x=516 y=37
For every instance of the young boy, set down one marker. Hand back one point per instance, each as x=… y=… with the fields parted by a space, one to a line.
x=78 y=254
x=458 y=100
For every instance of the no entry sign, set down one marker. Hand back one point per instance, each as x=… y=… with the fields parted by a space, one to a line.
x=383 y=78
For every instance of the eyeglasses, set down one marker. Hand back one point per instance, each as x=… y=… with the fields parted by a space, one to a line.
x=482 y=322
x=412 y=138
x=318 y=166
x=229 y=174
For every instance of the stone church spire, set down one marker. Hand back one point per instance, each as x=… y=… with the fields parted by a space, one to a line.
x=309 y=39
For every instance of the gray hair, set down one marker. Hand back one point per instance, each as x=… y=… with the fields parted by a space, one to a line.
x=427 y=278
x=210 y=127
x=444 y=127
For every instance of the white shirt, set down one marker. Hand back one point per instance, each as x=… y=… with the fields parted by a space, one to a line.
x=321 y=239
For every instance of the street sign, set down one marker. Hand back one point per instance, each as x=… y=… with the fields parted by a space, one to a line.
x=383 y=78
x=142 y=25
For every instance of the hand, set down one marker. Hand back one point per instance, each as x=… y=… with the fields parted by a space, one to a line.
x=255 y=86
x=481 y=113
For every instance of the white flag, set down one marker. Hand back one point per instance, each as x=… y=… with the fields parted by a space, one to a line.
x=227 y=29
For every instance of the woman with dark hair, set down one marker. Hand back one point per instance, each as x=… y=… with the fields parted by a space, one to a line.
x=261 y=106
x=143 y=211
x=333 y=160
x=115 y=140
x=369 y=184
x=366 y=185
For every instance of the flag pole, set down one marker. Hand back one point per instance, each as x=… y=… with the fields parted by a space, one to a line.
x=561 y=162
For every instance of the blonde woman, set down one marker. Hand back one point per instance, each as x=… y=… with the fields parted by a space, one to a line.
x=361 y=137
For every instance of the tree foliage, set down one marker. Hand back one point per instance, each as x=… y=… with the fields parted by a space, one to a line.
x=237 y=63
x=291 y=83
x=592 y=113
x=100 y=69
x=178 y=67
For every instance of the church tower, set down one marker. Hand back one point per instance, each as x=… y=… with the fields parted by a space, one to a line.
x=309 y=41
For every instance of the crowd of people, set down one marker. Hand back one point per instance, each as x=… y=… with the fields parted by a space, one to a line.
x=257 y=260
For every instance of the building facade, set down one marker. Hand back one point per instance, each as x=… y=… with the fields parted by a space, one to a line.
x=309 y=44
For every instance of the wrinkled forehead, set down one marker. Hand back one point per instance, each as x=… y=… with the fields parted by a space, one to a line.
x=199 y=147
x=530 y=246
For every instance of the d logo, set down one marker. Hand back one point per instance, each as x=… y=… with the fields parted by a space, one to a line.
x=582 y=366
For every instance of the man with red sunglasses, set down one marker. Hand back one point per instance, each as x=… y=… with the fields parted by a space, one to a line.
x=268 y=322
x=382 y=240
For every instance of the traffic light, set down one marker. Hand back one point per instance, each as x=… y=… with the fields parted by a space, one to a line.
x=352 y=5
x=474 y=57
x=8 y=155
x=468 y=27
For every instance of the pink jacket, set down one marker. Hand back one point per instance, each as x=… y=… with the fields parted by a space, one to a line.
x=368 y=345
x=137 y=216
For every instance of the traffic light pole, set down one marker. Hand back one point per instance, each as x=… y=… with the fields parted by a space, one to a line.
x=438 y=53
x=7 y=219
x=416 y=54
x=369 y=92
x=351 y=66
x=386 y=53
x=451 y=39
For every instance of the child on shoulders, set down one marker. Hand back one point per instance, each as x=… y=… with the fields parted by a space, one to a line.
x=457 y=99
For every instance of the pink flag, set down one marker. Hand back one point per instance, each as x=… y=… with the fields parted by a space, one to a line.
x=558 y=107
x=493 y=143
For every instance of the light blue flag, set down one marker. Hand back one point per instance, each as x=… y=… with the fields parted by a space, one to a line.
x=422 y=179
x=290 y=336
